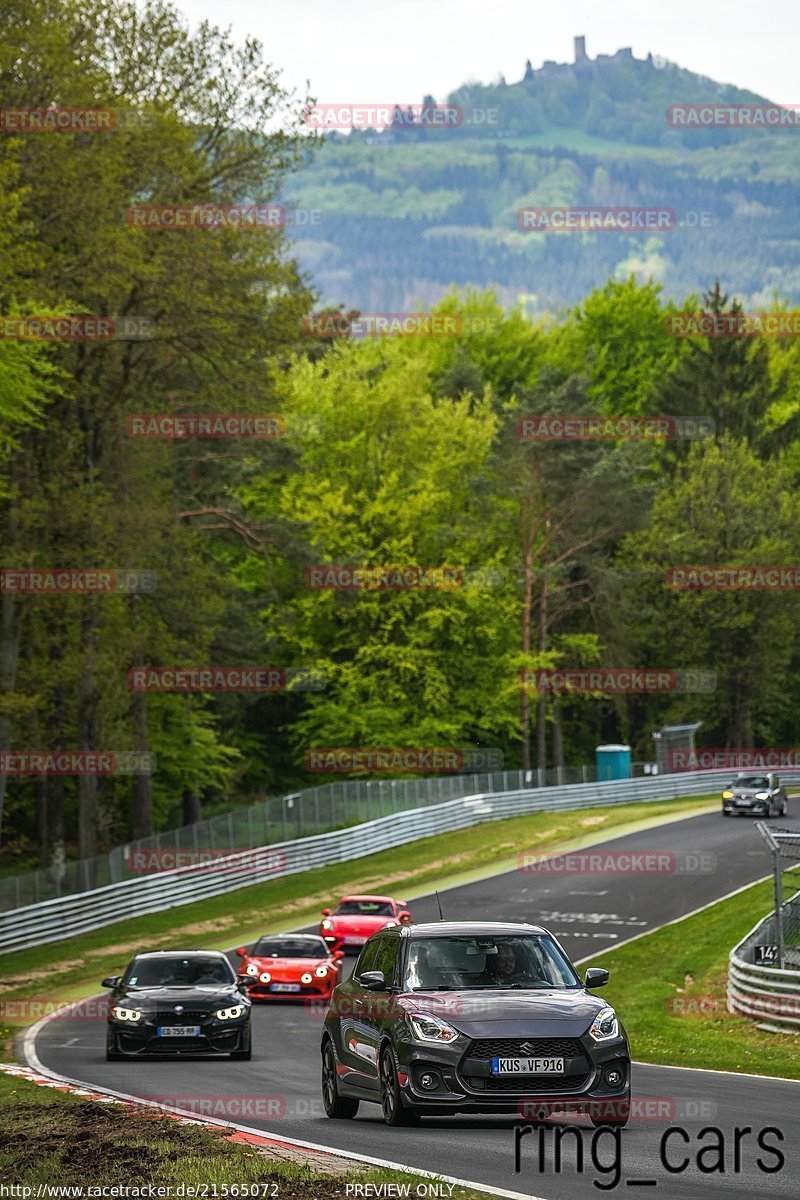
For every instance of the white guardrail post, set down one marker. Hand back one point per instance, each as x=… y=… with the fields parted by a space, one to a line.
x=63 y=917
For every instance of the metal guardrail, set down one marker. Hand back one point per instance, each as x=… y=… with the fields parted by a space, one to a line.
x=274 y=820
x=767 y=994
x=54 y=920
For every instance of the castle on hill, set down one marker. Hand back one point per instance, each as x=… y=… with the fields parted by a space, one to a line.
x=583 y=65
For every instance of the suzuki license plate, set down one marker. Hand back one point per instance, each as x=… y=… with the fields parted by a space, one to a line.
x=284 y=987
x=527 y=1066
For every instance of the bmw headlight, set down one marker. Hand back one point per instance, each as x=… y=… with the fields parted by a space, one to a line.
x=229 y=1014
x=265 y=977
x=127 y=1014
x=426 y=1028
x=605 y=1026
x=252 y=969
x=762 y=796
x=321 y=972
x=306 y=977
x=727 y=795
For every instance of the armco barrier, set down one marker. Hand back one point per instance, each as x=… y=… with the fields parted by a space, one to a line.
x=54 y=920
x=767 y=994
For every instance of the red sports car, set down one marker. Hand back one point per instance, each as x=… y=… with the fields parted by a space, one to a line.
x=356 y=918
x=287 y=965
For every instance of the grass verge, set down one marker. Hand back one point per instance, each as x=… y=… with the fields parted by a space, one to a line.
x=669 y=988
x=53 y=1138
x=69 y=970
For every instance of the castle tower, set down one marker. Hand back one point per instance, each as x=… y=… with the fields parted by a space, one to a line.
x=580 y=49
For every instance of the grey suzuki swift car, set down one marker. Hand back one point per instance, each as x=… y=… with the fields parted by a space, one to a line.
x=472 y=1017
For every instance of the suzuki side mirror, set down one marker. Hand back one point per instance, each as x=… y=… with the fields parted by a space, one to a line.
x=596 y=977
x=326 y=912
x=240 y=950
x=373 y=981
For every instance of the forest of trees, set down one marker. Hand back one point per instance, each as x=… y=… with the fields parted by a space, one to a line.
x=394 y=451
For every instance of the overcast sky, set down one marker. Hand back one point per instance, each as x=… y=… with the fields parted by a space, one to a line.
x=371 y=51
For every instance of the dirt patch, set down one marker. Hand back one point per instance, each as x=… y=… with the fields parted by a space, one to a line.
x=204 y=927
x=36 y=976
x=85 y=1143
x=599 y=820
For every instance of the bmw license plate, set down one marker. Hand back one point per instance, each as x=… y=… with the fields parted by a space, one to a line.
x=527 y=1066
x=284 y=987
x=179 y=1031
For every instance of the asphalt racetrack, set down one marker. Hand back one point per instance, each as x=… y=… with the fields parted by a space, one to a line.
x=279 y=1090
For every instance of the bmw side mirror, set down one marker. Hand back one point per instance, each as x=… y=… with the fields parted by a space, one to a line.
x=243 y=985
x=596 y=977
x=373 y=981
x=111 y=981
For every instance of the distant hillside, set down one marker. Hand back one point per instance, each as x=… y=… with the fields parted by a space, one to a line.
x=411 y=211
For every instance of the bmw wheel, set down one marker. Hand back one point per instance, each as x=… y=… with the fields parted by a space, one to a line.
x=246 y=1052
x=112 y=1053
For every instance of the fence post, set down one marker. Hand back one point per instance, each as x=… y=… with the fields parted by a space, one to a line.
x=778 y=878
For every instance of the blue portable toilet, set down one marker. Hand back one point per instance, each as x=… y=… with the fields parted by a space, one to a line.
x=613 y=762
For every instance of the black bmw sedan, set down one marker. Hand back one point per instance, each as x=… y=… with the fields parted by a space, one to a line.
x=473 y=1017
x=178 y=1003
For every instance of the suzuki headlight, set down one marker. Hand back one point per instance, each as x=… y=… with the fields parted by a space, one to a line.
x=605 y=1026
x=426 y=1028
x=229 y=1014
x=727 y=795
x=326 y=924
x=252 y=969
x=306 y=977
x=265 y=977
x=321 y=972
x=762 y=796
x=127 y=1014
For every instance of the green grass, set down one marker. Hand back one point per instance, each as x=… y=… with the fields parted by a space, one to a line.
x=682 y=963
x=71 y=969
x=51 y=1138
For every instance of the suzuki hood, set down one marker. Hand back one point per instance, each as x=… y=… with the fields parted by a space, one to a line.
x=496 y=1012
